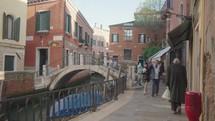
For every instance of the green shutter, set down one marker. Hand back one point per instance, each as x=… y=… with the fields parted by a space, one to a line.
x=65 y=22
x=38 y=21
x=76 y=29
x=86 y=38
x=48 y=20
x=17 y=29
x=4 y=26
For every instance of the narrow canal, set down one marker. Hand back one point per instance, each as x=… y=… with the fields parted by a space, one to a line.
x=37 y=110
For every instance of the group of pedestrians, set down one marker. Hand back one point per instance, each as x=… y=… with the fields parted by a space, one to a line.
x=176 y=81
x=152 y=72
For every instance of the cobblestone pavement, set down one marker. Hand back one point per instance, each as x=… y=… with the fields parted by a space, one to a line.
x=134 y=106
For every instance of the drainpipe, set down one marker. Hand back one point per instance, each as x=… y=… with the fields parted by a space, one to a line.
x=168 y=19
x=63 y=46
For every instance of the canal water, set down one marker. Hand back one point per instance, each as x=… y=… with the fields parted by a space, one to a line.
x=15 y=112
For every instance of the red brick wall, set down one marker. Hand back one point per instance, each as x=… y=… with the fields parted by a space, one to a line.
x=57 y=22
x=18 y=83
x=137 y=48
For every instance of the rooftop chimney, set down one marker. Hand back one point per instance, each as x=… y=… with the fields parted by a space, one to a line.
x=101 y=26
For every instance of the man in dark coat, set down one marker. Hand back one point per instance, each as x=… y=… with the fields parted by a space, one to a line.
x=177 y=84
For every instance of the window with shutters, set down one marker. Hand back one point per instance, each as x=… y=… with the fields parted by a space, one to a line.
x=43 y=21
x=68 y=24
x=127 y=54
x=80 y=34
x=86 y=39
x=11 y=27
x=76 y=29
x=141 y=38
x=115 y=38
x=128 y=35
x=9 y=62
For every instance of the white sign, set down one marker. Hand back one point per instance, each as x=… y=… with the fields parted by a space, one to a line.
x=57 y=38
x=29 y=38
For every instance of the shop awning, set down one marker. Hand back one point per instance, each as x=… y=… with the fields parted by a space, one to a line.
x=161 y=53
x=181 y=33
x=150 y=58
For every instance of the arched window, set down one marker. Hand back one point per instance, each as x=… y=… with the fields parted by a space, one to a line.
x=10 y=26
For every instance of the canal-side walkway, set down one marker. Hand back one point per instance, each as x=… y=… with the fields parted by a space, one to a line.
x=134 y=106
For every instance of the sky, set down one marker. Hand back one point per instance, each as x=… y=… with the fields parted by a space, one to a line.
x=107 y=12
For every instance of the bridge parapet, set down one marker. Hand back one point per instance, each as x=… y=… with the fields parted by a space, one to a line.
x=95 y=68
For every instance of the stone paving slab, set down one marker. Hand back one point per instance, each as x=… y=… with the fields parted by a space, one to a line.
x=134 y=106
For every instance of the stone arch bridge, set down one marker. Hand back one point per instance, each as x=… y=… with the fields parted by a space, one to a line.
x=57 y=77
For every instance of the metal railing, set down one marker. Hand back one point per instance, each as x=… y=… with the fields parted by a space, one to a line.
x=61 y=104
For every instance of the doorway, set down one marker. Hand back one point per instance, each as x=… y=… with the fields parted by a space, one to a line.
x=141 y=60
x=43 y=59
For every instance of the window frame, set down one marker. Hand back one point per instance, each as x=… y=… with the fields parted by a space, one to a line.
x=15 y=27
x=144 y=38
x=76 y=29
x=14 y=62
x=39 y=25
x=12 y=26
x=80 y=34
x=125 y=58
x=117 y=38
x=68 y=23
x=128 y=35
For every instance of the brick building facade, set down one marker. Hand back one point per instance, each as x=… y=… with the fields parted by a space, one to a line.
x=100 y=44
x=12 y=37
x=128 y=41
x=57 y=33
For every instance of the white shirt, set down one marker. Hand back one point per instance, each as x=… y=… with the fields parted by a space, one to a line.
x=156 y=71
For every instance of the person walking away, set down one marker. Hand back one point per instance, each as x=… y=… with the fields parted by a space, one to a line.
x=155 y=75
x=140 y=74
x=146 y=77
x=177 y=84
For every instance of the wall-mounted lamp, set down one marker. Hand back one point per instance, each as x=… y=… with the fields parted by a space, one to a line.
x=181 y=16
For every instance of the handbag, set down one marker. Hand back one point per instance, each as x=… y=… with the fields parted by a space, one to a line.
x=166 y=94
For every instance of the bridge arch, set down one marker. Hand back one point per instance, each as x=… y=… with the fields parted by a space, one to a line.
x=72 y=70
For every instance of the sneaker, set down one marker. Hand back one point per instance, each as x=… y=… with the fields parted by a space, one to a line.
x=144 y=92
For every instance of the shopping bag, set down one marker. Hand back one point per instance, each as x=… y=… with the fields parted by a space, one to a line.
x=166 y=94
